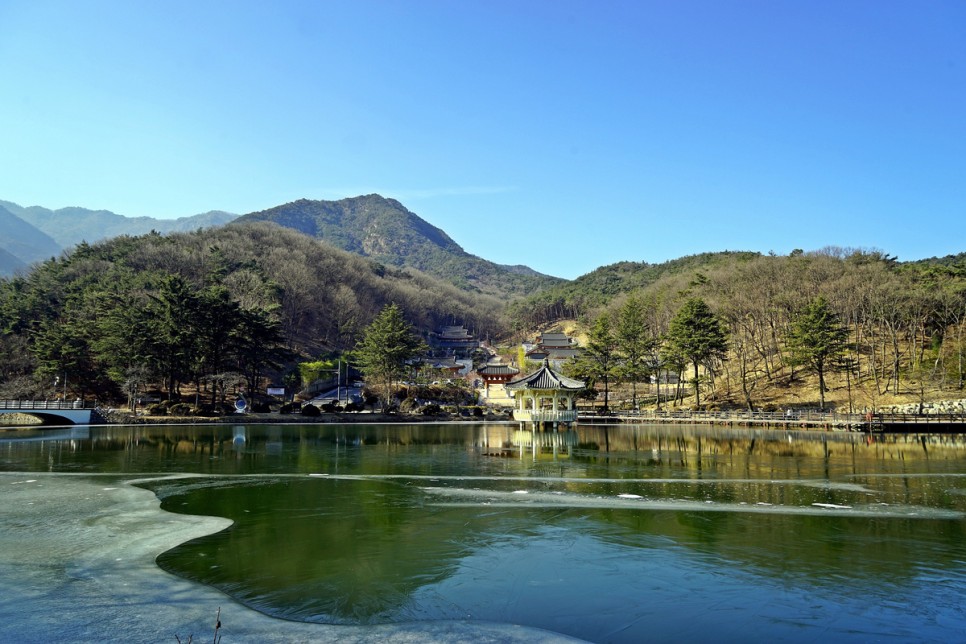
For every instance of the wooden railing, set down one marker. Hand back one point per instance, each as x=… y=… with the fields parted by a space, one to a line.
x=791 y=418
x=545 y=415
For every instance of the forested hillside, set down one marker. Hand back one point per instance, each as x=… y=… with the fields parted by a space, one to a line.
x=587 y=293
x=254 y=298
x=874 y=329
x=386 y=231
x=186 y=307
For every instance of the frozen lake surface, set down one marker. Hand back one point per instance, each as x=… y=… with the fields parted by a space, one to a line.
x=77 y=565
x=452 y=532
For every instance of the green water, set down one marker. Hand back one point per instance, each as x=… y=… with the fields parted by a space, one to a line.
x=622 y=533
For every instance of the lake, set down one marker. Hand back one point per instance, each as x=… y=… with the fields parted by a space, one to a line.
x=616 y=533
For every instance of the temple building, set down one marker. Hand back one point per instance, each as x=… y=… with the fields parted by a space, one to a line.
x=556 y=348
x=454 y=340
x=495 y=376
x=545 y=396
x=555 y=341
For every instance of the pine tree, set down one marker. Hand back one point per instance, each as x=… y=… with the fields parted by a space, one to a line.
x=599 y=360
x=387 y=345
x=697 y=336
x=635 y=343
x=816 y=338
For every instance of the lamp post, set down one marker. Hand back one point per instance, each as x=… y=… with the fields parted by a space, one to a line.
x=57 y=382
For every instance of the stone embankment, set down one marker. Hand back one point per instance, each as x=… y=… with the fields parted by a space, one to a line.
x=943 y=407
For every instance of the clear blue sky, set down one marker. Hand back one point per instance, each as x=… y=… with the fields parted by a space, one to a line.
x=562 y=135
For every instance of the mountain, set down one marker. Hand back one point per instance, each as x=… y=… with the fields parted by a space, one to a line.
x=70 y=226
x=384 y=230
x=9 y=264
x=24 y=241
x=323 y=297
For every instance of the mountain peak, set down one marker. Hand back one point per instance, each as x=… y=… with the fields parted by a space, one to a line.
x=383 y=229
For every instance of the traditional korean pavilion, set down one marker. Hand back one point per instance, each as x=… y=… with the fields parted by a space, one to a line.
x=545 y=396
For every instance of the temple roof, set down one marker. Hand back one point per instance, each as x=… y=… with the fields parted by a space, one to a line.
x=559 y=340
x=497 y=370
x=546 y=378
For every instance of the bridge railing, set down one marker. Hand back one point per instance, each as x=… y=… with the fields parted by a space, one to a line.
x=45 y=404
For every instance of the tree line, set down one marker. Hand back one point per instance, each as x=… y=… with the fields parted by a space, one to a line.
x=238 y=304
x=248 y=301
x=745 y=324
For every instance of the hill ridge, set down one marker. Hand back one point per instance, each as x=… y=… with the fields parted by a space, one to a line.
x=384 y=230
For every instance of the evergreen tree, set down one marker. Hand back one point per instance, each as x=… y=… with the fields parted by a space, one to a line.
x=816 y=338
x=176 y=315
x=696 y=336
x=387 y=345
x=257 y=342
x=599 y=361
x=635 y=343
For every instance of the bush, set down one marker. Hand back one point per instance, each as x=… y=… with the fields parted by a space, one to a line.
x=259 y=408
x=158 y=409
x=311 y=411
x=180 y=409
x=431 y=409
x=290 y=408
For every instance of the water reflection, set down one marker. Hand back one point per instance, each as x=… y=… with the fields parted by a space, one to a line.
x=610 y=533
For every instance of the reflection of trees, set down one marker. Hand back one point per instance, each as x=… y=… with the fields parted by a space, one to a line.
x=727 y=467
x=359 y=549
x=324 y=550
x=825 y=551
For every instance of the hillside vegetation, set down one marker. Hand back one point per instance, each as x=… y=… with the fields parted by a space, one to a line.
x=384 y=230
x=109 y=309
x=309 y=276
x=903 y=324
x=587 y=293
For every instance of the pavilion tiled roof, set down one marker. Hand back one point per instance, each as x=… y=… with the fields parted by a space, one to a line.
x=546 y=378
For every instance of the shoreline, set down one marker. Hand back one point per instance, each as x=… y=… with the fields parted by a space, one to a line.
x=78 y=565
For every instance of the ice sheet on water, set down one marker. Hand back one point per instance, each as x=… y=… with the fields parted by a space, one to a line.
x=66 y=576
x=538 y=499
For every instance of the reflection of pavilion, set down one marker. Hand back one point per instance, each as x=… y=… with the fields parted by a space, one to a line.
x=545 y=396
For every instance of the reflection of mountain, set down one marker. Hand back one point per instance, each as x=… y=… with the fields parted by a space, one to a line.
x=333 y=551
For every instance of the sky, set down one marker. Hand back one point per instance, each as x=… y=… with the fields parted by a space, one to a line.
x=563 y=135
